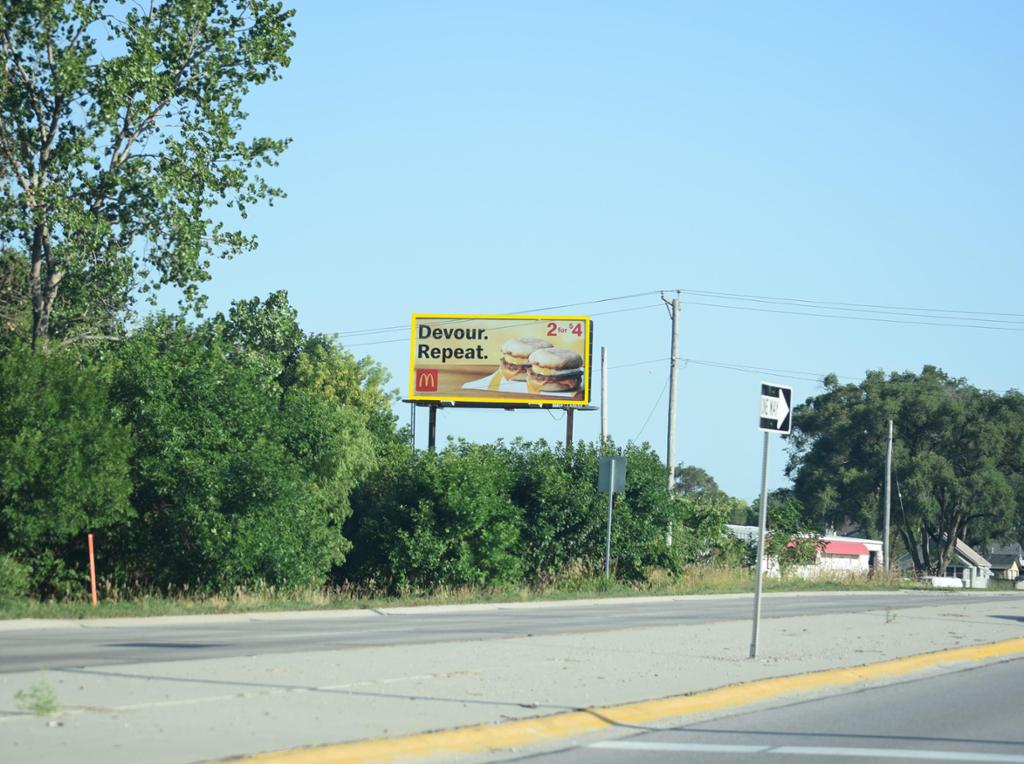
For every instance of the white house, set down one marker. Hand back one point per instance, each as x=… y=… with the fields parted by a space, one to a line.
x=967 y=568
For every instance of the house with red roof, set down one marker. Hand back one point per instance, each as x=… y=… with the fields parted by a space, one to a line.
x=843 y=555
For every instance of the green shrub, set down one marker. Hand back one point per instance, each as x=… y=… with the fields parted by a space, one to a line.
x=240 y=477
x=436 y=520
x=564 y=515
x=14 y=578
x=64 y=465
x=526 y=513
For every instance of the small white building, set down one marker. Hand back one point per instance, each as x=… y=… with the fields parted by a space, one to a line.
x=836 y=555
x=843 y=555
x=967 y=567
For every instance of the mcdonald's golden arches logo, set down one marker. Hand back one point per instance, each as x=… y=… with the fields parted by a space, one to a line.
x=426 y=380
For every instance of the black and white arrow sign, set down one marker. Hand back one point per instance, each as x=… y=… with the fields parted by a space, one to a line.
x=776 y=408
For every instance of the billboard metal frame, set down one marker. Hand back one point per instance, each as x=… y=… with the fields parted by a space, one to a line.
x=507 y=401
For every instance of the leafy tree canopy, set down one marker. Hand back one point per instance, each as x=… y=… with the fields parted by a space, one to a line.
x=695 y=481
x=697 y=484
x=244 y=459
x=120 y=133
x=957 y=454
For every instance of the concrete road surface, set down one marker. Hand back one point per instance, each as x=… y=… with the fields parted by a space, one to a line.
x=182 y=690
x=54 y=644
x=956 y=716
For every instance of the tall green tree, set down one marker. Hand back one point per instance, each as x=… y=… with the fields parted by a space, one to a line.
x=691 y=480
x=697 y=484
x=244 y=457
x=957 y=455
x=120 y=134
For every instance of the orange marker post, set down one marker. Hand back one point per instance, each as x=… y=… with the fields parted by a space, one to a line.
x=92 y=571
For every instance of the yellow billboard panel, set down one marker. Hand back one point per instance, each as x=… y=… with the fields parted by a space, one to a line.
x=500 y=359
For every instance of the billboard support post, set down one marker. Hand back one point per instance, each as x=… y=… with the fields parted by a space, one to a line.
x=568 y=430
x=412 y=426
x=432 y=428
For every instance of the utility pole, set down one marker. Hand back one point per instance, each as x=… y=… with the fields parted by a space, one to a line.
x=888 y=503
x=670 y=453
x=604 y=395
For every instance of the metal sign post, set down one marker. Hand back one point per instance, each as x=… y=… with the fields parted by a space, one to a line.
x=776 y=416
x=762 y=521
x=611 y=477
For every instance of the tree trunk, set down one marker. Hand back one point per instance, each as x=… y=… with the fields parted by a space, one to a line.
x=40 y=315
x=948 y=546
x=44 y=283
x=908 y=541
x=926 y=557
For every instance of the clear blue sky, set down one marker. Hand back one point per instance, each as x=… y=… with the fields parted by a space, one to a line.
x=498 y=157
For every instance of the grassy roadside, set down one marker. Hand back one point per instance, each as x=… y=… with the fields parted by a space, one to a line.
x=703 y=580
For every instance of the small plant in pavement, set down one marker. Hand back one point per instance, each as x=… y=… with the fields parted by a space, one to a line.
x=39 y=699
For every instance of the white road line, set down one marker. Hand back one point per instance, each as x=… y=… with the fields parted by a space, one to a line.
x=898 y=753
x=798 y=750
x=619 y=745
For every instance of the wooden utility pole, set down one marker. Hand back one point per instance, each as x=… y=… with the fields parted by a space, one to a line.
x=886 y=562
x=670 y=451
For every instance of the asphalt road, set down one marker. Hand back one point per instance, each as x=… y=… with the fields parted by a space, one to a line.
x=98 y=643
x=967 y=715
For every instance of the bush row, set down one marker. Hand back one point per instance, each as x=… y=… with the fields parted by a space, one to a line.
x=242 y=452
x=497 y=514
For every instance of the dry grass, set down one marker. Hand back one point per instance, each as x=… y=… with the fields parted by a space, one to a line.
x=573 y=584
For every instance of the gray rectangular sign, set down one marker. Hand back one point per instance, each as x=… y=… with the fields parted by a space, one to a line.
x=604 y=473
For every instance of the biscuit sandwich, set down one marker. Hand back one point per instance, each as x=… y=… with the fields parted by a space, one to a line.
x=554 y=370
x=515 y=356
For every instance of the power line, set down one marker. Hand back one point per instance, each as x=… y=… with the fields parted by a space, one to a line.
x=506 y=326
x=809 y=376
x=803 y=376
x=638 y=363
x=944 y=317
x=823 y=303
x=918 y=314
x=653 y=408
x=386 y=329
x=858 y=318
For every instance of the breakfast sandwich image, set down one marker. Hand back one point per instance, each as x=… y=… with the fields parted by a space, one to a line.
x=515 y=356
x=554 y=370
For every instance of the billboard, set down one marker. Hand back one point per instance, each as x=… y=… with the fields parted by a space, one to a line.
x=500 y=359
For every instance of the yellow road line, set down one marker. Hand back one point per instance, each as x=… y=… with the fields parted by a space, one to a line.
x=524 y=732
